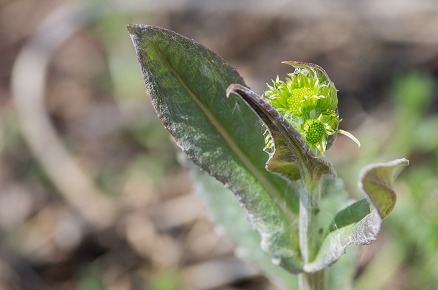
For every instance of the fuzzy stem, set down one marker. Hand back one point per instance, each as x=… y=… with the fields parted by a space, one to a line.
x=310 y=233
x=313 y=281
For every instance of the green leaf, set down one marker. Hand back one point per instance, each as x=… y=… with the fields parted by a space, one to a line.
x=360 y=222
x=291 y=157
x=351 y=214
x=322 y=75
x=376 y=182
x=225 y=210
x=342 y=273
x=187 y=85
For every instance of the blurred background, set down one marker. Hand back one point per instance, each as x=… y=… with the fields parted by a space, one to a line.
x=91 y=194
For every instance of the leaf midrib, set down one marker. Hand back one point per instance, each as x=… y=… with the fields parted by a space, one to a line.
x=266 y=184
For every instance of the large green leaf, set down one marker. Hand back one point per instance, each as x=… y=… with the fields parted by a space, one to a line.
x=224 y=209
x=187 y=85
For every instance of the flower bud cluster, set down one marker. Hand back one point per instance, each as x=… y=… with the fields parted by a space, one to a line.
x=308 y=100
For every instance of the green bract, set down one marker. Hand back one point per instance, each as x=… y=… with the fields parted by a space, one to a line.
x=307 y=99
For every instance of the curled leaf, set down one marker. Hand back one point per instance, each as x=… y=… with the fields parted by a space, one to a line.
x=376 y=182
x=291 y=157
x=360 y=222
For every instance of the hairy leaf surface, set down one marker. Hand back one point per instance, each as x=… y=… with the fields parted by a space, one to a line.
x=230 y=217
x=187 y=85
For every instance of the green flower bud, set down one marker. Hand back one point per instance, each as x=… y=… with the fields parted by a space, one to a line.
x=315 y=131
x=308 y=100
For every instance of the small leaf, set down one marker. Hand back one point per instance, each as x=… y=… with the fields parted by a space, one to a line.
x=376 y=182
x=360 y=222
x=187 y=83
x=291 y=157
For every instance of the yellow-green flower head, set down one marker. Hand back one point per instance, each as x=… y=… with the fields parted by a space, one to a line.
x=308 y=100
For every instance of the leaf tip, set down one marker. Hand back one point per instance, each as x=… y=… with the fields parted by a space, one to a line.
x=141 y=29
x=133 y=29
x=376 y=182
x=232 y=89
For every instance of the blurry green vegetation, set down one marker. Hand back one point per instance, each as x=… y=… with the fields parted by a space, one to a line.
x=415 y=225
x=409 y=257
x=91 y=279
x=165 y=280
x=111 y=28
x=413 y=95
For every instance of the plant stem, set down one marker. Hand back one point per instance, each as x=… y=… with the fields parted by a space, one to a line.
x=310 y=233
x=313 y=281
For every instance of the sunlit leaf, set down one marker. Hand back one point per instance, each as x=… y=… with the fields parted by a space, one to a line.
x=224 y=209
x=187 y=85
x=376 y=181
